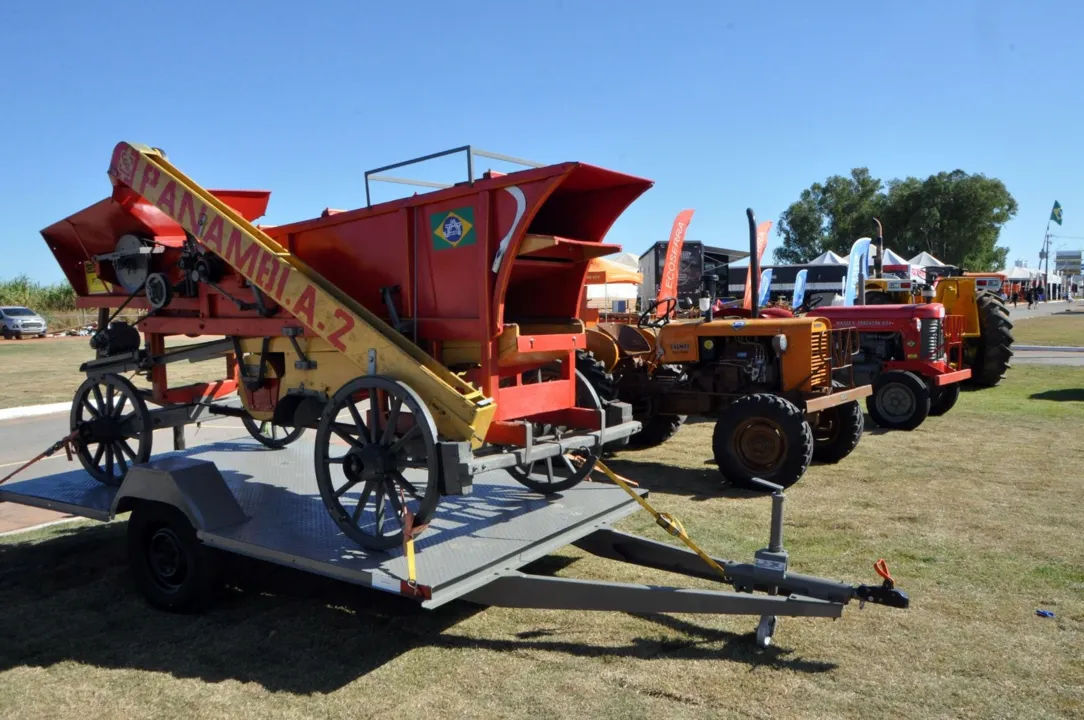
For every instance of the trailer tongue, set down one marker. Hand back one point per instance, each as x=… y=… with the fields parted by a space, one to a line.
x=242 y=498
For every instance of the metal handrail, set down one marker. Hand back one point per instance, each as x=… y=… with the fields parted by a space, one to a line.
x=470 y=151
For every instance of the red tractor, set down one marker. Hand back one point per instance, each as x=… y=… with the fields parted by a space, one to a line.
x=911 y=354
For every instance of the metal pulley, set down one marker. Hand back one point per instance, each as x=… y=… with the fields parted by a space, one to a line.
x=158 y=290
x=131 y=259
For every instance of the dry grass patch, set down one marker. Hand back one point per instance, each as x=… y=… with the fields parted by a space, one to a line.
x=34 y=372
x=978 y=514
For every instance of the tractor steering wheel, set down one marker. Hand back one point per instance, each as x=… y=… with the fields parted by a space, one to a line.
x=645 y=317
x=808 y=305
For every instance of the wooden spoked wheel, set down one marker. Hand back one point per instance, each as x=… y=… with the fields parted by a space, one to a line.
x=562 y=471
x=270 y=434
x=376 y=459
x=114 y=428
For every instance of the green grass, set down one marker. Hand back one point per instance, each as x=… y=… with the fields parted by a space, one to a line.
x=1064 y=328
x=978 y=514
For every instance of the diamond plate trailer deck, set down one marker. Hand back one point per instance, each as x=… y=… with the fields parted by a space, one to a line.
x=248 y=500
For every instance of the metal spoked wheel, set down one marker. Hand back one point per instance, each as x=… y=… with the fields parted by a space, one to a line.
x=562 y=471
x=114 y=427
x=270 y=434
x=375 y=459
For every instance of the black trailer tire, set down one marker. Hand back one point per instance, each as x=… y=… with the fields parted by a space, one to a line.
x=900 y=400
x=171 y=567
x=991 y=352
x=838 y=431
x=762 y=436
x=656 y=430
x=944 y=398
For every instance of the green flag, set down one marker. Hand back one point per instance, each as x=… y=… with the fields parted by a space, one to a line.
x=1055 y=214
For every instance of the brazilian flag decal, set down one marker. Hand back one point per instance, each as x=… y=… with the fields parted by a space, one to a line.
x=452 y=229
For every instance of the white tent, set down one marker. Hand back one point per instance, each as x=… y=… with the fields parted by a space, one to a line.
x=892 y=258
x=828 y=258
x=625 y=258
x=924 y=259
x=1019 y=274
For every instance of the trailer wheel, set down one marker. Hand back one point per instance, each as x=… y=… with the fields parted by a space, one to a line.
x=170 y=566
x=838 y=431
x=900 y=400
x=991 y=352
x=373 y=466
x=762 y=436
x=114 y=426
x=560 y=472
x=944 y=398
x=270 y=434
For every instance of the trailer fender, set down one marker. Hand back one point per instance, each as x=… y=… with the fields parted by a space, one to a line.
x=195 y=487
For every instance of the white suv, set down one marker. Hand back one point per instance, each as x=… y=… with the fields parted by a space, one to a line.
x=16 y=322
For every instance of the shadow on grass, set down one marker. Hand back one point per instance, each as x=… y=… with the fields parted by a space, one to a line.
x=69 y=598
x=693 y=483
x=1061 y=395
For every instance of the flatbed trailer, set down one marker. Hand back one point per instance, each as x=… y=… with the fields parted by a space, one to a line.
x=240 y=497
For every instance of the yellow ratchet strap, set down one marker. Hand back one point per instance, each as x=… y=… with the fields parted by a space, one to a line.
x=667 y=522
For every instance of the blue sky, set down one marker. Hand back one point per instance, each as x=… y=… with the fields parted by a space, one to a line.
x=723 y=105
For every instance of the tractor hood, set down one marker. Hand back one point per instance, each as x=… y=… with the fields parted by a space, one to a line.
x=878 y=314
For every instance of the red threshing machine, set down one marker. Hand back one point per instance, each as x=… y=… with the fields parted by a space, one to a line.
x=426 y=339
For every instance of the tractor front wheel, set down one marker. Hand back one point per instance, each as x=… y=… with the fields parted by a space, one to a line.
x=838 y=431
x=762 y=437
x=900 y=400
x=944 y=398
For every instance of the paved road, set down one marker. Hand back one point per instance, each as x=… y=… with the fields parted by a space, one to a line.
x=1021 y=312
x=1047 y=357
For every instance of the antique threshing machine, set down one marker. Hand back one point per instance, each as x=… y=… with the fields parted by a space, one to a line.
x=426 y=339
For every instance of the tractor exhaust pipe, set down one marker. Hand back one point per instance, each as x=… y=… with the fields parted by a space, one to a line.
x=879 y=241
x=754 y=263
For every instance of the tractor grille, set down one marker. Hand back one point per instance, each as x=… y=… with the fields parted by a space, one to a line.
x=931 y=338
x=820 y=359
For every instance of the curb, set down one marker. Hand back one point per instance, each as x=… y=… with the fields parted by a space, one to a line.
x=33 y=410
x=1050 y=348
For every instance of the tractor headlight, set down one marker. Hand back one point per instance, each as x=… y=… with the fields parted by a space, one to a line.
x=779 y=344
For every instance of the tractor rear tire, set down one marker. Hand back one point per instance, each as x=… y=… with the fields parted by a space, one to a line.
x=992 y=350
x=900 y=400
x=838 y=431
x=944 y=398
x=879 y=297
x=594 y=372
x=762 y=437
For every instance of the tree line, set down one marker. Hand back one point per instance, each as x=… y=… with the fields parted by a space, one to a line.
x=955 y=216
